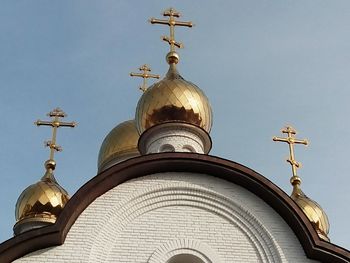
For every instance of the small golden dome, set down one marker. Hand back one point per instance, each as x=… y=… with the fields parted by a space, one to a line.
x=42 y=201
x=313 y=211
x=121 y=141
x=173 y=99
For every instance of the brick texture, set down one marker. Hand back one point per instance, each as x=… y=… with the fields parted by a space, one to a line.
x=153 y=218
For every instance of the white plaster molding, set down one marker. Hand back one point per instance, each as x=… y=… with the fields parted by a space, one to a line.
x=184 y=246
x=182 y=194
x=182 y=137
x=132 y=222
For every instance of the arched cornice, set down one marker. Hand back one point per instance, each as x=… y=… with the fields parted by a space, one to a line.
x=54 y=235
x=182 y=246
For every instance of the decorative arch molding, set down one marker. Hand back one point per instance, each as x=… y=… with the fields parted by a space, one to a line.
x=188 y=148
x=184 y=246
x=198 y=197
x=166 y=148
x=186 y=256
x=54 y=235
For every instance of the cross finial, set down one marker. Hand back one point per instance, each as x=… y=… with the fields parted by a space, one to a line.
x=171 y=22
x=291 y=140
x=145 y=69
x=55 y=123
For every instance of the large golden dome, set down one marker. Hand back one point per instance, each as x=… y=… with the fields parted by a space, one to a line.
x=313 y=211
x=121 y=141
x=42 y=201
x=173 y=99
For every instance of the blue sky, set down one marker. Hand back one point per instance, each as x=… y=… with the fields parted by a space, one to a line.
x=263 y=64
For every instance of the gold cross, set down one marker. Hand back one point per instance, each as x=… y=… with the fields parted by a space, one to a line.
x=55 y=123
x=291 y=140
x=145 y=75
x=171 y=22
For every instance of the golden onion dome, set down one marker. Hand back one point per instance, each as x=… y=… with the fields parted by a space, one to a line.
x=173 y=99
x=42 y=201
x=313 y=211
x=121 y=141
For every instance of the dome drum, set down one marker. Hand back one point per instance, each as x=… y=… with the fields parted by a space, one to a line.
x=175 y=137
x=32 y=223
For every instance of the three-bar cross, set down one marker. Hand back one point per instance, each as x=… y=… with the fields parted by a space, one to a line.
x=55 y=123
x=171 y=22
x=291 y=140
x=145 y=69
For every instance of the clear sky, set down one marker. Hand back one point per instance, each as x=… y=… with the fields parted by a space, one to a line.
x=262 y=64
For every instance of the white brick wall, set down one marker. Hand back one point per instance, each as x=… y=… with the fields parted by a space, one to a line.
x=179 y=137
x=153 y=218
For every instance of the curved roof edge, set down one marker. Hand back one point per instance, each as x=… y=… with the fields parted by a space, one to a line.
x=54 y=235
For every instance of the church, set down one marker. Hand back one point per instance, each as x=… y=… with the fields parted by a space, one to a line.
x=160 y=197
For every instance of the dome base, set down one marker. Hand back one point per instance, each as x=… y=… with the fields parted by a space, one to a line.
x=323 y=236
x=174 y=137
x=118 y=158
x=27 y=224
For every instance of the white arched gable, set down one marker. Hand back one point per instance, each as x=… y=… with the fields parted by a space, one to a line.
x=156 y=217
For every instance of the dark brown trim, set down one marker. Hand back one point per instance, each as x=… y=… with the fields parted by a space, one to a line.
x=314 y=247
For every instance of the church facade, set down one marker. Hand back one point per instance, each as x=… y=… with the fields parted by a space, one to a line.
x=159 y=197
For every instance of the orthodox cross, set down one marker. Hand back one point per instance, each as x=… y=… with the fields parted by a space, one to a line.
x=291 y=140
x=171 y=22
x=145 y=69
x=55 y=123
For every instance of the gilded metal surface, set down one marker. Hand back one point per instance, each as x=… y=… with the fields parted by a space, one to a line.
x=171 y=22
x=173 y=99
x=122 y=139
x=291 y=140
x=172 y=58
x=145 y=74
x=311 y=209
x=42 y=201
x=55 y=123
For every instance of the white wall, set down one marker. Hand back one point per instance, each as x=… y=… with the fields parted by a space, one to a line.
x=153 y=218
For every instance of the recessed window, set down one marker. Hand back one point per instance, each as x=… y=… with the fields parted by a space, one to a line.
x=167 y=148
x=185 y=258
x=188 y=148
